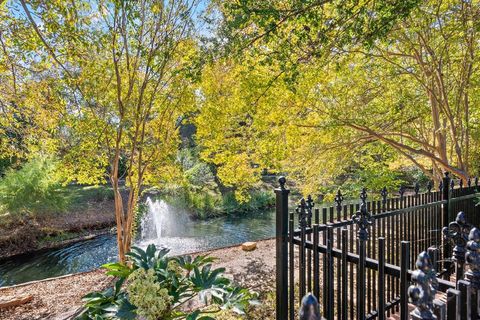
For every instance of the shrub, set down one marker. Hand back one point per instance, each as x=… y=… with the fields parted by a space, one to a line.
x=35 y=187
x=85 y=194
x=158 y=287
x=258 y=200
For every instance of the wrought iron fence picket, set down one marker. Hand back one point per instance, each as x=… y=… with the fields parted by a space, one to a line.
x=360 y=274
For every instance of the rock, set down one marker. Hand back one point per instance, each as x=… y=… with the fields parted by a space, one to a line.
x=249 y=246
x=7 y=302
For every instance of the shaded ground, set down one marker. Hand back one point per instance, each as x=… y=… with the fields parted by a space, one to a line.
x=59 y=298
x=53 y=299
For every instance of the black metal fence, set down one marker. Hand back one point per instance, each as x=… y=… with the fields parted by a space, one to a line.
x=357 y=259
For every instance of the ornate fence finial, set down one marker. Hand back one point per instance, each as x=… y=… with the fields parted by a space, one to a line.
x=417 y=188
x=401 y=191
x=440 y=186
x=384 y=194
x=338 y=201
x=363 y=195
x=302 y=213
x=452 y=184
x=363 y=219
x=461 y=183
x=472 y=257
x=457 y=231
x=310 y=205
x=309 y=309
x=469 y=182
x=423 y=291
x=476 y=181
x=429 y=186
x=282 y=180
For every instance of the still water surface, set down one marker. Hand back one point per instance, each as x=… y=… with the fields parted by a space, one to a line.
x=178 y=232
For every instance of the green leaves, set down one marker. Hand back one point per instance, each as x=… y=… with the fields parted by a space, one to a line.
x=206 y=278
x=294 y=32
x=196 y=315
x=189 y=263
x=159 y=284
x=108 y=304
x=147 y=259
x=117 y=270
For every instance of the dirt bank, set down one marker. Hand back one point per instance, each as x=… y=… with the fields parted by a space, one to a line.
x=59 y=298
x=19 y=236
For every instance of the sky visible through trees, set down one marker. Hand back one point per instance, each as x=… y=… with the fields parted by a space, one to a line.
x=327 y=92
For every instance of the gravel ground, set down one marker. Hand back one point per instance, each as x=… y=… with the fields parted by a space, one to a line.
x=59 y=298
x=55 y=298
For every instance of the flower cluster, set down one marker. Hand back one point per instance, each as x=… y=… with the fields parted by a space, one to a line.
x=174 y=266
x=152 y=301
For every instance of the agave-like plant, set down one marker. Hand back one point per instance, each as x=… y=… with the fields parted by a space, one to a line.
x=155 y=286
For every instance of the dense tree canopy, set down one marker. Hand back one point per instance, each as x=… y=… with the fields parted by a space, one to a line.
x=326 y=91
x=414 y=91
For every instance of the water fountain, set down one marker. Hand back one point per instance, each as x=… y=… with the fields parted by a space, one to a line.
x=162 y=224
x=153 y=220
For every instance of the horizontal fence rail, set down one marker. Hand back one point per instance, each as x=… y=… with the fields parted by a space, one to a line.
x=356 y=259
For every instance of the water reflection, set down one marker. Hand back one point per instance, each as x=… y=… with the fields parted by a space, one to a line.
x=178 y=232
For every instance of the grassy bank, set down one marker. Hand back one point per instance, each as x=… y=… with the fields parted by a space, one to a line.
x=204 y=205
x=89 y=210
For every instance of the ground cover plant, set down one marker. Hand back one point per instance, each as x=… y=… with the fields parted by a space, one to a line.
x=154 y=285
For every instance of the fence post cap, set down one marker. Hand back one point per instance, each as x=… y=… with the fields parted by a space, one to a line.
x=461 y=217
x=473 y=258
x=424 y=262
x=310 y=309
x=422 y=292
x=282 y=180
x=474 y=235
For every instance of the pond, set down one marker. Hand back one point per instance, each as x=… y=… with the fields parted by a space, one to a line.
x=163 y=225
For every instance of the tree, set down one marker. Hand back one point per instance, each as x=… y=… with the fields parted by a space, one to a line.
x=297 y=32
x=409 y=86
x=436 y=49
x=124 y=72
x=237 y=131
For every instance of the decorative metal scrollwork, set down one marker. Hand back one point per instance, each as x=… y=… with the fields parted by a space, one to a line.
x=469 y=182
x=363 y=195
x=384 y=194
x=425 y=286
x=310 y=205
x=417 y=188
x=440 y=186
x=363 y=219
x=452 y=184
x=461 y=183
x=338 y=201
x=458 y=231
x=472 y=257
x=302 y=213
x=401 y=191
x=429 y=186
x=476 y=181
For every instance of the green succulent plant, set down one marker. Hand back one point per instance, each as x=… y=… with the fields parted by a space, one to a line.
x=156 y=286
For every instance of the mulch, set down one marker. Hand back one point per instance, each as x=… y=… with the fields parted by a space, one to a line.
x=60 y=298
x=55 y=298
